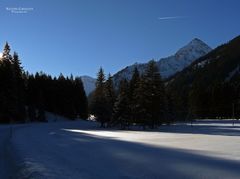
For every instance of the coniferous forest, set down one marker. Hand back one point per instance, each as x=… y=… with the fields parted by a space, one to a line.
x=145 y=100
x=26 y=97
x=140 y=101
x=208 y=89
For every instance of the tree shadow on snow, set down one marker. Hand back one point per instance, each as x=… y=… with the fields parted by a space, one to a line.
x=110 y=158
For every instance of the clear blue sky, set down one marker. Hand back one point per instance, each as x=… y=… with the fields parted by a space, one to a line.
x=79 y=36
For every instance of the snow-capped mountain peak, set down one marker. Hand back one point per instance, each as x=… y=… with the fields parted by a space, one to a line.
x=183 y=57
x=172 y=64
x=194 y=48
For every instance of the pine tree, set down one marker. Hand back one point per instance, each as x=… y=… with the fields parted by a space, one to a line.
x=81 y=103
x=7 y=97
x=122 y=113
x=140 y=109
x=154 y=102
x=110 y=97
x=12 y=102
x=100 y=79
x=6 y=53
x=19 y=88
x=133 y=86
x=70 y=98
x=170 y=108
x=99 y=102
x=30 y=98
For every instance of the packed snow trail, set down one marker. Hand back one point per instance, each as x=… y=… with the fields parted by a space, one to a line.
x=82 y=150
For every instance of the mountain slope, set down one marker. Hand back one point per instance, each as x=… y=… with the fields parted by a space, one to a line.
x=172 y=64
x=220 y=65
x=184 y=57
x=210 y=86
x=88 y=83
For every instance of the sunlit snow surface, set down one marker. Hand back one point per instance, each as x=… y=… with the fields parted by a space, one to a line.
x=83 y=150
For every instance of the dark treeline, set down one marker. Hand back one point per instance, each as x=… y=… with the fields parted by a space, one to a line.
x=217 y=101
x=220 y=100
x=211 y=90
x=140 y=101
x=26 y=97
x=63 y=96
x=147 y=101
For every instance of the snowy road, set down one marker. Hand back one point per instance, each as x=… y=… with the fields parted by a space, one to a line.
x=81 y=150
x=5 y=168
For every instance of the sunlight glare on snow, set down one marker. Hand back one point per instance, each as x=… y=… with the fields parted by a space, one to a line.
x=97 y=133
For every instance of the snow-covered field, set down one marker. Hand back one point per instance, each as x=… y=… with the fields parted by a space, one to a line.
x=80 y=149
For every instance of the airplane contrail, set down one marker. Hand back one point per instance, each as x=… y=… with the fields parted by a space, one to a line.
x=171 y=17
